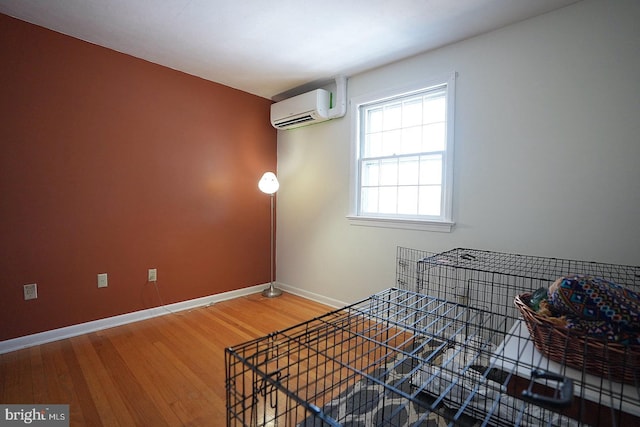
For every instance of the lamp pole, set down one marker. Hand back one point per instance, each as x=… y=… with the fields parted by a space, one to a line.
x=269 y=184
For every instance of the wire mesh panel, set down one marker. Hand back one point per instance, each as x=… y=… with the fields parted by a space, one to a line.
x=401 y=358
x=491 y=280
x=605 y=374
x=449 y=347
x=352 y=365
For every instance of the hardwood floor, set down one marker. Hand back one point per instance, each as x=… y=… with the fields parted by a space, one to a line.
x=166 y=371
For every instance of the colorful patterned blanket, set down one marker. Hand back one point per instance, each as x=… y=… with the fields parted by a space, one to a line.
x=597 y=307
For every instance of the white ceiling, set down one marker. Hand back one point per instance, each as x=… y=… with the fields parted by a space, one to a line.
x=271 y=47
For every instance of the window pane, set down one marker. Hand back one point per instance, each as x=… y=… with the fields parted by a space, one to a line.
x=387 y=203
x=391 y=142
x=434 y=109
x=409 y=171
x=433 y=137
x=411 y=140
x=389 y=172
x=429 y=202
x=374 y=120
x=431 y=170
x=373 y=145
x=369 y=201
x=392 y=117
x=412 y=112
x=370 y=173
x=408 y=200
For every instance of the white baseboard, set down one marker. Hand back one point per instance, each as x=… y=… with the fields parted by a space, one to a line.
x=312 y=296
x=109 y=322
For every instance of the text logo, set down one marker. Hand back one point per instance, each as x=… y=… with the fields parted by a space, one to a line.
x=35 y=415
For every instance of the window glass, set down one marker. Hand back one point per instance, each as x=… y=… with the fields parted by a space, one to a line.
x=405 y=146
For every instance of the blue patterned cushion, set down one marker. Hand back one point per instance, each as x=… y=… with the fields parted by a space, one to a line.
x=597 y=306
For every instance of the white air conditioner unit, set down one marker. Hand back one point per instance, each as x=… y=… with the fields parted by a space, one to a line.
x=301 y=110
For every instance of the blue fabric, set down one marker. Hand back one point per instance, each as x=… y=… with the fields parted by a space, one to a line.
x=597 y=307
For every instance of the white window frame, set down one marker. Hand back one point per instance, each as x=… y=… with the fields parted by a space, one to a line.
x=442 y=223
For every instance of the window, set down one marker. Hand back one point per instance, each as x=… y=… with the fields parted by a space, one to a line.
x=404 y=156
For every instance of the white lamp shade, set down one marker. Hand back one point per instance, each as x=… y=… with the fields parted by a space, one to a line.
x=268 y=183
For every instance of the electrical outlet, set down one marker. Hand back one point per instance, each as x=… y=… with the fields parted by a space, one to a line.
x=103 y=280
x=30 y=291
x=152 y=275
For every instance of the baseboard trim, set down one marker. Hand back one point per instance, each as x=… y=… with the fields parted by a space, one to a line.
x=110 y=322
x=312 y=296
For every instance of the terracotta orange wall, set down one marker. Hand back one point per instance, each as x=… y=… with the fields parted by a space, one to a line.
x=112 y=164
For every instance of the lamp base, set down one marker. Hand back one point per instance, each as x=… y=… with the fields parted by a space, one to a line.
x=271 y=292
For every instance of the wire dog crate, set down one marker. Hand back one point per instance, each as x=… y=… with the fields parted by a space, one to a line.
x=491 y=280
x=447 y=347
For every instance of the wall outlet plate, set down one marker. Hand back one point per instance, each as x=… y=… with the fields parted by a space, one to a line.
x=152 y=276
x=30 y=291
x=103 y=280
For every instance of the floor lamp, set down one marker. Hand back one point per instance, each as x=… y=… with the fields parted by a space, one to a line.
x=269 y=184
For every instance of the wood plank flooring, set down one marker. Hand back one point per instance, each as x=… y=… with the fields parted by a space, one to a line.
x=166 y=371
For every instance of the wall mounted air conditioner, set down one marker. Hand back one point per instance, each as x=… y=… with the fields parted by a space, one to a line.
x=310 y=107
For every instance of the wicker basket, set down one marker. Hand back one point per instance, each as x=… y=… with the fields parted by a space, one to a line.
x=599 y=357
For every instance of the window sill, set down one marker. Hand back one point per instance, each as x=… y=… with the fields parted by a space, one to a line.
x=406 y=224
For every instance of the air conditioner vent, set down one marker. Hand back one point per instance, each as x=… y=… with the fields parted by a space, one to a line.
x=294 y=121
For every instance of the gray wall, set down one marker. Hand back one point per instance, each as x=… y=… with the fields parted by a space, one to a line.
x=547 y=151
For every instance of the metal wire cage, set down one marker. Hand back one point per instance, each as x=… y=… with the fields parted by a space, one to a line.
x=491 y=280
x=447 y=347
